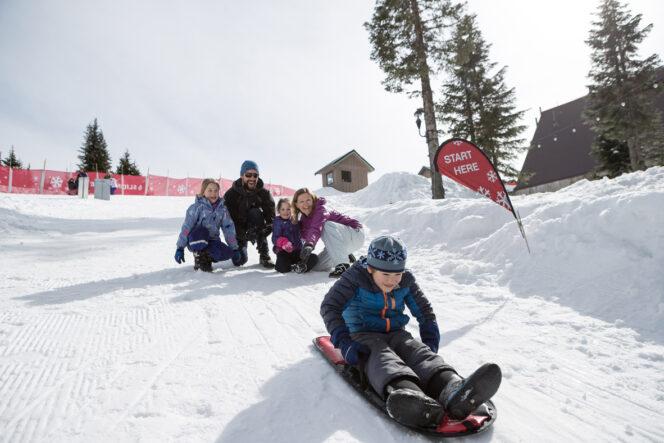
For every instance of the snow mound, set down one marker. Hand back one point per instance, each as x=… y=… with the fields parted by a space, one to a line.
x=403 y=186
x=328 y=192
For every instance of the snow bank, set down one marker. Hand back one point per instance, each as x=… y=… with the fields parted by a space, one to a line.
x=597 y=246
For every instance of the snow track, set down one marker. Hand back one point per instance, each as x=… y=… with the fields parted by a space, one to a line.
x=103 y=338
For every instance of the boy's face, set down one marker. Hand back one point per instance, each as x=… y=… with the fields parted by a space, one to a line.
x=386 y=281
x=211 y=192
x=284 y=211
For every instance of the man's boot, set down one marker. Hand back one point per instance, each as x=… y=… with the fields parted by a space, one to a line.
x=202 y=261
x=263 y=253
x=461 y=396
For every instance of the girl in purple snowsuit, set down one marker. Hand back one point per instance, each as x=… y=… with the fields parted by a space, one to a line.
x=340 y=234
x=287 y=243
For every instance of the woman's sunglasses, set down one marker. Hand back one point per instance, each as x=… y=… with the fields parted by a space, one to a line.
x=251 y=175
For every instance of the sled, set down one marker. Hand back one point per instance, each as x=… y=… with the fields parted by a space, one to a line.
x=478 y=421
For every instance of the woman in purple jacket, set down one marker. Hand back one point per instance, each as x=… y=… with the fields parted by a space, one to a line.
x=340 y=234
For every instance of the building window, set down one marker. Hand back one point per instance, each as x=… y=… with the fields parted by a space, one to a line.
x=329 y=178
x=345 y=176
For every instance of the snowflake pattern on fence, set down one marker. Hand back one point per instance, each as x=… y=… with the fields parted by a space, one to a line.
x=55 y=182
x=182 y=189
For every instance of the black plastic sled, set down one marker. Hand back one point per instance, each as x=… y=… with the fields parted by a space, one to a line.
x=478 y=421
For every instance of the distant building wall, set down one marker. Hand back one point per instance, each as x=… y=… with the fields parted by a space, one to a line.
x=353 y=166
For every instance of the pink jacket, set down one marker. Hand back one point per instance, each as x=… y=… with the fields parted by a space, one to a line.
x=311 y=227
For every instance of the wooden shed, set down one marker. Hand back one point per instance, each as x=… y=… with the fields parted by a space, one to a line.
x=348 y=173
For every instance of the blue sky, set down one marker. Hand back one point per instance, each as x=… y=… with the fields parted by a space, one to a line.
x=196 y=87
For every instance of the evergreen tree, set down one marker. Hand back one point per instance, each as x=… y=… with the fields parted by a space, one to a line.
x=613 y=156
x=476 y=103
x=408 y=40
x=94 y=154
x=621 y=98
x=126 y=166
x=12 y=161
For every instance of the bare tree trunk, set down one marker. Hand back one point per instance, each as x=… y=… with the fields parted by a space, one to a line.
x=437 y=191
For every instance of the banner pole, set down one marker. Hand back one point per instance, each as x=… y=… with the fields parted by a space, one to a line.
x=523 y=231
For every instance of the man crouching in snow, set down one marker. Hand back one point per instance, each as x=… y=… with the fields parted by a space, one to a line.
x=364 y=313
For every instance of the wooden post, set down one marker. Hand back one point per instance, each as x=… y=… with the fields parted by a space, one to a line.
x=168 y=185
x=147 y=182
x=42 y=179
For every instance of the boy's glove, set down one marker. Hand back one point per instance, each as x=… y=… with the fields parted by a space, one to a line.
x=430 y=334
x=352 y=351
x=239 y=257
x=284 y=244
x=306 y=251
x=179 y=255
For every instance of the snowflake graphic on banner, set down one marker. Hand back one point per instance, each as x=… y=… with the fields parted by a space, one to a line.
x=457 y=142
x=501 y=199
x=182 y=189
x=485 y=192
x=55 y=182
x=492 y=176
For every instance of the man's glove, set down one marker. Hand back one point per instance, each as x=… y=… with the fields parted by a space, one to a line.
x=306 y=251
x=352 y=351
x=266 y=231
x=239 y=257
x=179 y=255
x=284 y=244
x=430 y=334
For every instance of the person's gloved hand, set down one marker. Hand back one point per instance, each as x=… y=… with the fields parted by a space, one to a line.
x=352 y=351
x=284 y=244
x=239 y=257
x=355 y=224
x=179 y=255
x=430 y=334
x=266 y=231
x=306 y=251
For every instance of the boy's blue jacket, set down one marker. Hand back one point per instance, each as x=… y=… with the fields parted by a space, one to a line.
x=356 y=302
x=213 y=218
x=288 y=229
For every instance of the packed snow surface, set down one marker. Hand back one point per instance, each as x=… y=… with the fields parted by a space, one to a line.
x=104 y=338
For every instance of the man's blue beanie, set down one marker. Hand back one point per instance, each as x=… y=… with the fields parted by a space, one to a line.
x=247 y=165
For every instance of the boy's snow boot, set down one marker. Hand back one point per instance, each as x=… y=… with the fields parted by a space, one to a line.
x=339 y=269
x=202 y=261
x=299 y=267
x=460 y=396
x=414 y=408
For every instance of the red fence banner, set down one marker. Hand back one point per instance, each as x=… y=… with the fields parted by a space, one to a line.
x=465 y=163
x=27 y=181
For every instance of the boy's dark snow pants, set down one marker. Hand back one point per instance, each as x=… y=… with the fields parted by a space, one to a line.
x=397 y=354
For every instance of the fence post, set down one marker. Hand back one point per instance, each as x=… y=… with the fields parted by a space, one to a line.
x=42 y=179
x=167 y=181
x=122 y=183
x=186 y=185
x=147 y=182
x=11 y=175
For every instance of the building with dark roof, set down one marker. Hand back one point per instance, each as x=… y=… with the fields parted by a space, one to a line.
x=560 y=152
x=348 y=173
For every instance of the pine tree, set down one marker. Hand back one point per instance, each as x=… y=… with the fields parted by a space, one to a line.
x=477 y=104
x=408 y=39
x=613 y=156
x=12 y=161
x=94 y=154
x=126 y=166
x=621 y=98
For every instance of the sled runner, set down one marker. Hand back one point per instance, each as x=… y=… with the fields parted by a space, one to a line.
x=478 y=421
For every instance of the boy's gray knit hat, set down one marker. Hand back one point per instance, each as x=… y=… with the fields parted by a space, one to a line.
x=387 y=253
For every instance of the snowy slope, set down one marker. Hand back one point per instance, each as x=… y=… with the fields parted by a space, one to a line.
x=104 y=338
